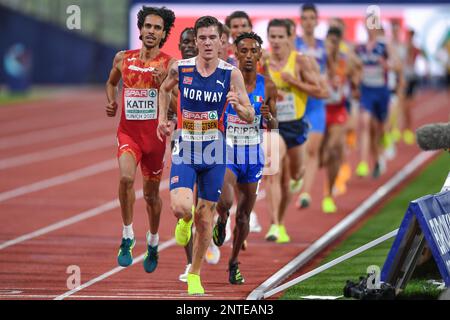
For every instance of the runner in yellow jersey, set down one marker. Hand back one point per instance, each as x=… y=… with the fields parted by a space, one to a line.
x=296 y=77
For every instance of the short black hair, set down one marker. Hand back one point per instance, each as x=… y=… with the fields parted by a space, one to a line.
x=188 y=29
x=167 y=15
x=238 y=14
x=248 y=35
x=309 y=6
x=279 y=23
x=208 y=21
x=334 y=31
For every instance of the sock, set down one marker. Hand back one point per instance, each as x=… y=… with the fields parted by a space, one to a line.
x=153 y=239
x=127 y=232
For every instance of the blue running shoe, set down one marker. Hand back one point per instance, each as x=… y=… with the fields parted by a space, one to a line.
x=151 y=259
x=125 y=256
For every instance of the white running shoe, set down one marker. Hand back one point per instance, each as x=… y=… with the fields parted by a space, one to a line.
x=183 y=276
x=254 y=224
x=212 y=254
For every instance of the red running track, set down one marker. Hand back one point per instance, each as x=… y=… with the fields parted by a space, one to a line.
x=58 y=208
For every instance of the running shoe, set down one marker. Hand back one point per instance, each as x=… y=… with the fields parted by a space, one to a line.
x=235 y=276
x=379 y=169
x=283 y=237
x=212 y=255
x=220 y=231
x=272 y=235
x=254 y=223
x=151 y=257
x=304 y=200
x=125 y=256
x=362 y=170
x=183 y=232
x=183 y=277
x=408 y=137
x=328 y=205
x=295 y=185
x=194 y=285
x=396 y=134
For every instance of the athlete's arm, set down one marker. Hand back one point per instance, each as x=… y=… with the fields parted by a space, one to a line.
x=238 y=98
x=268 y=109
x=112 y=84
x=309 y=81
x=165 y=92
x=310 y=73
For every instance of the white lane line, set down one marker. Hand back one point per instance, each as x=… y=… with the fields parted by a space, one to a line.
x=339 y=228
x=51 y=134
x=77 y=218
x=165 y=245
x=58 y=180
x=162 y=247
x=67 y=150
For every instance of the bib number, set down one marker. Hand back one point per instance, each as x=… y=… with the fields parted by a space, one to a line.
x=141 y=104
x=286 y=108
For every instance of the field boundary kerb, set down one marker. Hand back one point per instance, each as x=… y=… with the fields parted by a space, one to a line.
x=325 y=240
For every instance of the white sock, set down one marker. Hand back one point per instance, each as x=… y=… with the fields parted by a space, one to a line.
x=153 y=239
x=127 y=232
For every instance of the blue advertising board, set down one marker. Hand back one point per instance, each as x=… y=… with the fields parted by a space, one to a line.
x=432 y=213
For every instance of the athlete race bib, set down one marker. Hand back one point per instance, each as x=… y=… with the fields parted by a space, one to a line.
x=242 y=133
x=286 y=108
x=141 y=104
x=200 y=126
x=373 y=76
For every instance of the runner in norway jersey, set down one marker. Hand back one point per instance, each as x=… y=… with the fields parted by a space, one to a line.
x=139 y=117
x=374 y=88
x=201 y=112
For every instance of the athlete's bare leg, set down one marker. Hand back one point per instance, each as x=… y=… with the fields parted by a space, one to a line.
x=227 y=196
x=334 y=149
x=312 y=160
x=181 y=201
x=204 y=218
x=286 y=195
x=246 y=201
x=127 y=166
x=153 y=203
x=365 y=136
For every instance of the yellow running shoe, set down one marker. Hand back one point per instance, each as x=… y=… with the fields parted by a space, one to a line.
x=272 y=235
x=183 y=232
x=408 y=137
x=328 y=205
x=396 y=135
x=194 y=285
x=295 y=185
x=283 y=237
x=362 y=170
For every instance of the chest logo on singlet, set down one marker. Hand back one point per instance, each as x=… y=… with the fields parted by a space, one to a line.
x=136 y=68
x=141 y=104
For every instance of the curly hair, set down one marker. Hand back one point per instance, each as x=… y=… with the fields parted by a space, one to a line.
x=167 y=15
x=248 y=35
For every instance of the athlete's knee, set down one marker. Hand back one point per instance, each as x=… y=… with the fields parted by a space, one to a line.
x=127 y=181
x=224 y=204
x=203 y=222
x=152 y=197
x=243 y=218
x=181 y=209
